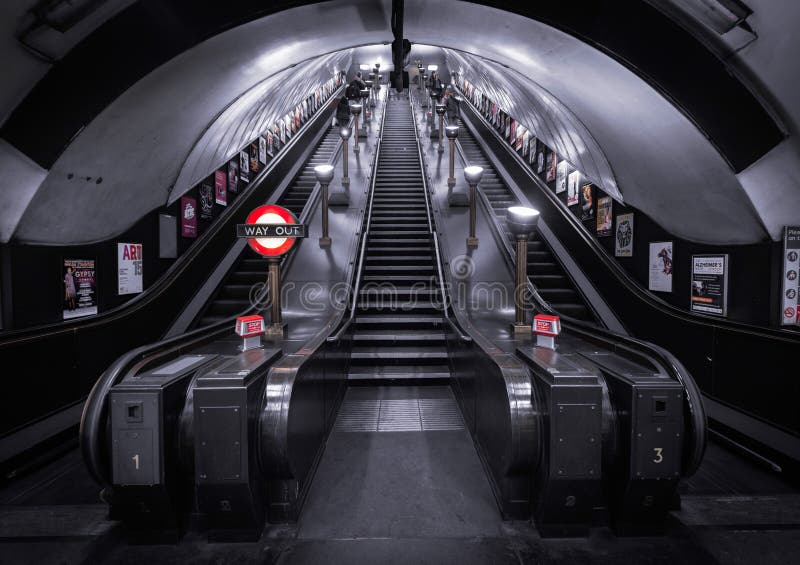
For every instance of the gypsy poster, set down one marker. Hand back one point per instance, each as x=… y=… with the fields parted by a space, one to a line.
x=79 y=278
x=660 y=262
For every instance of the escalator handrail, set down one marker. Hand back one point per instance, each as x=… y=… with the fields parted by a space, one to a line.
x=11 y=338
x=625 y=278
x=423 y=168
x=95 y=407
x=355 y=278
x=696 y=444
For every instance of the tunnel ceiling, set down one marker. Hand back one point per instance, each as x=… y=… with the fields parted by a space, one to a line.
x=141 y=140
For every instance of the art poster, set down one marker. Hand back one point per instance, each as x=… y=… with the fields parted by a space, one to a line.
x=573 y=181
x=188 y=217
x=244 y=166
x=709 y=284
x=233 y=176
x=561 y=177
x=254 y=163
x=262 y=149
x=604 y=217
x=660 y=262
x=623 y=244
x=206 y=196
x=587 y=201
x=79 y=278
x=512 y=132
x=129 y=268
x=552 y=164
x=790 y=295
x=220 y=188
x=526 y=143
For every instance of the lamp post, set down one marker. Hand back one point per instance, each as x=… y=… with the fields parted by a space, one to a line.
x=440 y=110
x=356 y=110
x=324 y=174
x=342 y=197
x=452 y=135
x=522 y=222
x=473 y=175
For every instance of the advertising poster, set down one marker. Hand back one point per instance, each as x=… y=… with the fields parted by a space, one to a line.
x=494 y=114
x=288 y=120
x=507 y=126
x=540 y=153
x=790 y=296
x=233 y=176
x=709 y=284
x=512 y=132
x=188 y=217
x=572 y=187
x=270 y=144
x=552 y=164
x=561 y=177
x=244 y=166
x=526 y=143
x=220 y=188
x=520 y=135
x=298 y=116
x=623 y=244
x=206 y=193
x=80 y=288
x=129 y=268
x=254 y=163
x=262 y=149
x=604 y=218
x=281 y=125
x=660 y=277
x=587 y=201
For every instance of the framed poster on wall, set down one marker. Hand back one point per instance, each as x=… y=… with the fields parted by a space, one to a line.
x=79 y=278
x=254 y=164
x=709 y=284
x=587 y=201
x=244 y=166
x=270 y=144
x=129 y=268
x=188 y=217
x=660 y=266
x=623 y=239
x=790 y=288
x=526 y=143
x=512 y=132
x=220 y=188
x=604 y=218
x=552 y=165
x=206 y=196
x=572 y=185
x=561 y=177
x=233 y=176
x=262 y=149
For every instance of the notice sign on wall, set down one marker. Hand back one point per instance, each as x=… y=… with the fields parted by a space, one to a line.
x=80 y=288
x=660 y=278
x=129 y=268
x=710 y=284
x=790 y=290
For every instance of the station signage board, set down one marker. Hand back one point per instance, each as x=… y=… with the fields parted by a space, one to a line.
x=271 y=230
x=790 y=276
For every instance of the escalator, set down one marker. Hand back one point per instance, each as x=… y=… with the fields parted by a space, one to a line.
x=398 y=327
x=551 y=280
x=234 y=295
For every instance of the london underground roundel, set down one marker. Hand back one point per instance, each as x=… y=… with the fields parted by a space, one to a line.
x=271 y=214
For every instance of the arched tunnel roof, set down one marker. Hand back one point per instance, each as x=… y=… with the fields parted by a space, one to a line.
x=147 y=141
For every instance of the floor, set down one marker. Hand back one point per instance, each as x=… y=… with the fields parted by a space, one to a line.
x=381 y=495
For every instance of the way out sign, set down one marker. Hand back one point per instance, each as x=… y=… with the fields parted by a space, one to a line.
x=271 y=230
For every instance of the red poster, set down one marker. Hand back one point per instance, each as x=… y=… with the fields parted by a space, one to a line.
x=188 y=217
x=220 y=188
